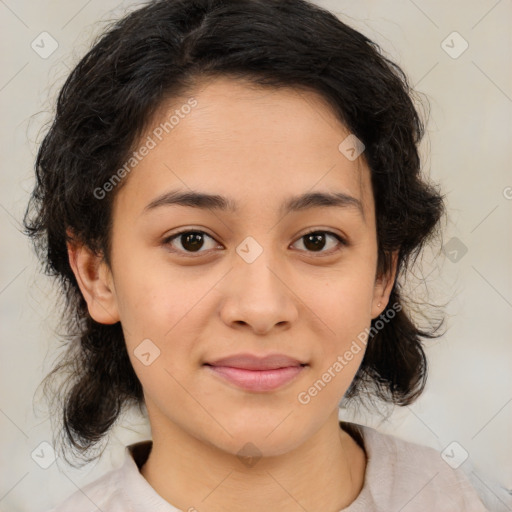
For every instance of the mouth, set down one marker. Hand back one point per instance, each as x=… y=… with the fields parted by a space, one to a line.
x=253 y=373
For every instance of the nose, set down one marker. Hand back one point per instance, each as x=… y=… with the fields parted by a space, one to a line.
x=257 y=296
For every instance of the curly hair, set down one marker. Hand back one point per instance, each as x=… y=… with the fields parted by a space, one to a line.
x=160 y=51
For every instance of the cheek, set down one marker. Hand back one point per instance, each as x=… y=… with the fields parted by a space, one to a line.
x=160 y=322
x=148 y=290
x=342 y=302
x=164 y=306
x=342 y=346
x=343 y=305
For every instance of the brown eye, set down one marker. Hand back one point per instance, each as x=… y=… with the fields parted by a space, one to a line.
x=193 y=241
x=190 y=241
x=316 y=241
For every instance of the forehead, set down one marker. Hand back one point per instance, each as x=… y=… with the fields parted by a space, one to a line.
x=259 y=143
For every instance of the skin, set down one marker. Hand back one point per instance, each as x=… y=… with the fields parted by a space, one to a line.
x=258 y=147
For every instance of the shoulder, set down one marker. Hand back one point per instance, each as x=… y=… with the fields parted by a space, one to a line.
x=104 y=493
x=120 y=490
x=406 y=476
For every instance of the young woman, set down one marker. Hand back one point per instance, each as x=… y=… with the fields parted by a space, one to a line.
x=230 y=195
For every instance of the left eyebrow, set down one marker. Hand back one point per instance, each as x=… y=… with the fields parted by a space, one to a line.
x=302 y=202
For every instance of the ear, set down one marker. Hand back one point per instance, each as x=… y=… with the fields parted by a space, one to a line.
x=95 y=281
x=383 y=286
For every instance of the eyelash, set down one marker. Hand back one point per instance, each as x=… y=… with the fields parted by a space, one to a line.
x=168 y=240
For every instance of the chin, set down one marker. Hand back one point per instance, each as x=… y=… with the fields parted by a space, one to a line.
x=258 y=440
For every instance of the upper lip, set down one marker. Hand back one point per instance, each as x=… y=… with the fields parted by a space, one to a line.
x=252 y=362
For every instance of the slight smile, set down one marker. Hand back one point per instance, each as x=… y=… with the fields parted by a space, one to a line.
x=258 y=374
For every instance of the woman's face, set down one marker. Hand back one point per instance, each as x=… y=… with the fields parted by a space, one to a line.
x=251 y=282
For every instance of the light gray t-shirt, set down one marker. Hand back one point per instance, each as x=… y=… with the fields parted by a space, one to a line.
x=400 y=476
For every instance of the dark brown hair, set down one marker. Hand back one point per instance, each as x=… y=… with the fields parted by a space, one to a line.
x=159 y=52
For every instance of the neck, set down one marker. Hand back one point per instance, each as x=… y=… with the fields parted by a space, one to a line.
x=325 y=473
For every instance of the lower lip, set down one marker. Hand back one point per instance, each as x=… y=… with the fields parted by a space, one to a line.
x=257 y=380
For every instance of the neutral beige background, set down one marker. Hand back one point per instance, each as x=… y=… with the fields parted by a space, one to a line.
x=467 y=149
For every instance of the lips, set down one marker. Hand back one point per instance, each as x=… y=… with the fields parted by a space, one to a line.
x=257 y=374
x=250 y=362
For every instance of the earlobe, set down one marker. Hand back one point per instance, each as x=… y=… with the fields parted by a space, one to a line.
x=383 y=286
x=95 y=281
